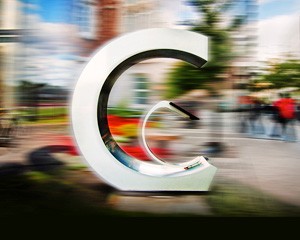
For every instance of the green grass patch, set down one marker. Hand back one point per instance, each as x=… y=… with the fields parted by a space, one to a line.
x=78 y=166
x=37 y=176
x=124 y=112
x=44 y=115
x=230 y=199
x=63 y=192
x=58 y=120
x=37 y=194
x=55 y=193
x=52 y=111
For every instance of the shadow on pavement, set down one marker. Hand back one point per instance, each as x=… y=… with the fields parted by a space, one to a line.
x=46 y=186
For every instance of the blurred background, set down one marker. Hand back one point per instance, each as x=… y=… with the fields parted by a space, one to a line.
x=254 y=61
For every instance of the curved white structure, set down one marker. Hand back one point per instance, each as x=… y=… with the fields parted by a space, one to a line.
x=89 y=112
x=175 y=108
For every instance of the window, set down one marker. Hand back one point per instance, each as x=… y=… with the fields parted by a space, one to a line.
x=141 y=89
x=86 y=18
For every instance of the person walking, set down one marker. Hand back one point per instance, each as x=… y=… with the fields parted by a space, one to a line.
x=285 y=116
x=255 y=117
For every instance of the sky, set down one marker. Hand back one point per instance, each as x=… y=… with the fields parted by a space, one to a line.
x=272 y=8
x=278 y=28
x=56 y=11
x=50 y=52
x=278 y=20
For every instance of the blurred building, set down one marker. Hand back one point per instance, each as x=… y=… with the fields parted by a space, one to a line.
x=10 y=34
x=94 y=23
x=29 y=44
x=245 y=40
x=143 y=80
x=97 y=21
x=243 y=66
x=140 y=14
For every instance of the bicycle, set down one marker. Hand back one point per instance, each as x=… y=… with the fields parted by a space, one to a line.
x=9 y=127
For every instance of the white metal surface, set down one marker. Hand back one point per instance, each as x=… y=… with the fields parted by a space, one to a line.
x=138 y=176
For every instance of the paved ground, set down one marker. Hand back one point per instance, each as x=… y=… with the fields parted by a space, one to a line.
x=268 y=164
x=271 y=166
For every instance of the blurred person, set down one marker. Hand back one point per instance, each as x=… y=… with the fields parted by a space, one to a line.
x=244 y=105
x=193 y=107
x=255 y=116
x=285 y=117
x=298 y=110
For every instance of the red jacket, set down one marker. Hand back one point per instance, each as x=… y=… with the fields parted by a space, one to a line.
x=286 y=107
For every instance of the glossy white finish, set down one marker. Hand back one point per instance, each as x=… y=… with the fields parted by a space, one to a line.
x=140 y=175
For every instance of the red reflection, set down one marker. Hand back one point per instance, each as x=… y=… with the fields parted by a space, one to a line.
x=67 y=141
x=125 y=132
x=139 y=153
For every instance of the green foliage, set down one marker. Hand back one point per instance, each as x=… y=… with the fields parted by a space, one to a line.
x=67 y=192
x=27 y=91
x=38 y=176
x=123 y=110
x=236 y=200
x=53 y=111
x=54 y=114
x=284 y=74
x=184 y=77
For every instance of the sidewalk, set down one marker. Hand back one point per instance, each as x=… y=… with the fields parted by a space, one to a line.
x=269 y=167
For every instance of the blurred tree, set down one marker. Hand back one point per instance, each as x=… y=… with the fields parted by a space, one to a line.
x=184 y=77
x=284 y=74
x=28 y=95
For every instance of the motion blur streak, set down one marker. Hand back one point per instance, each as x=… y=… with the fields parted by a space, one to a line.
x=253 y=62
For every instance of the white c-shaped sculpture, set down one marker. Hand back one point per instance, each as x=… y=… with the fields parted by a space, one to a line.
x=89 y=112
x=175 y=108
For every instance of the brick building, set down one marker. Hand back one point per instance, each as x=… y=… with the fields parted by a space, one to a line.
x=10 y=34
x=98 y=22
